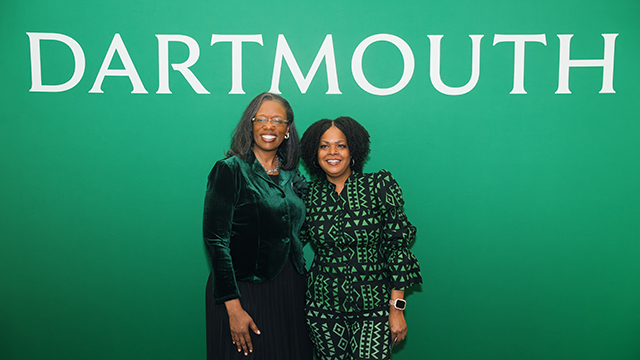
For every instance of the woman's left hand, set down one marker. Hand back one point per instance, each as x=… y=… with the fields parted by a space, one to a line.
x=398 y=325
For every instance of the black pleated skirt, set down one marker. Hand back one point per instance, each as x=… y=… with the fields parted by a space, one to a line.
x=277 y=308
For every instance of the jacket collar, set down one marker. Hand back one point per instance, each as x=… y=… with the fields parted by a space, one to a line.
x=326 y=183
x=285 y=176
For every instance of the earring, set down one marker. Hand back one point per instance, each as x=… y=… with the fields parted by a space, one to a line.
x=286 y=136
x=315 y=164
x=353 y=161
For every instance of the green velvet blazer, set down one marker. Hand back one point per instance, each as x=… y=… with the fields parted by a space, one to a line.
x=251 y=224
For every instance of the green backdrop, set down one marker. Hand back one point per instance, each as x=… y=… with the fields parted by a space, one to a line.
x=527 y=205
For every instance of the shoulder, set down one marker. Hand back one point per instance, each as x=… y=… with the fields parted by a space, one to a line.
x=299 y=183
x=380 y=179
x=232 y=161
x=227 y=167
x=386 y=187
x=315 y=182
x=318 y=183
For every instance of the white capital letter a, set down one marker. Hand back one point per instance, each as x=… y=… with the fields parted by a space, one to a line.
x=129 y=69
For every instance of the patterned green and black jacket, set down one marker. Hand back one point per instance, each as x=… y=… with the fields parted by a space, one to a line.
x=361 y=239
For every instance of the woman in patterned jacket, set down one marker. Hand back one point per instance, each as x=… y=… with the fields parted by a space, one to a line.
x=361 y=237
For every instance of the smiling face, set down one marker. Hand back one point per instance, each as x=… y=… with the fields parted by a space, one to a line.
x=268 y=136
x=334 y=156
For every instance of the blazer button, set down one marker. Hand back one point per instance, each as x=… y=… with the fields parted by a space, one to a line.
x=285 y=217
x=285 y=240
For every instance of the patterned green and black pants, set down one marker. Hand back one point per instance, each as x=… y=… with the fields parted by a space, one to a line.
x=349 y=336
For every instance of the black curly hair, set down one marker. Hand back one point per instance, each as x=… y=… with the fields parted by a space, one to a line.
x=357 y=140
x=242 y=141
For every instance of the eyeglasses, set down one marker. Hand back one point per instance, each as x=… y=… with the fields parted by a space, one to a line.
x=277 y=122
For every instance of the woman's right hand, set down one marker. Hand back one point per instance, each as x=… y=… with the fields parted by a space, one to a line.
x=240 y=322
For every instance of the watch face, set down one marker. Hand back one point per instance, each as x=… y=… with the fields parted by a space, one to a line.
x=401 y=304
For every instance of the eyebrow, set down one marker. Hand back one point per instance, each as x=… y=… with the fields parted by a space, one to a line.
x=337 y=141
x=275 y=117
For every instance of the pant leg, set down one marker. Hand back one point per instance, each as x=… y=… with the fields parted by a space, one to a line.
x=371 y=336
x=330 y=334
x=339 y=336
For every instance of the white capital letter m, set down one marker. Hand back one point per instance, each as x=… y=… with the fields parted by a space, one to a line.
x=326 y=52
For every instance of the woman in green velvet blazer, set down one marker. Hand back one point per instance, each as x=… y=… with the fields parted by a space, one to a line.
x=252 y=218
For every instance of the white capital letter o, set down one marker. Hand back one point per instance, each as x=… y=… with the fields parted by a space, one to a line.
x=358 y=74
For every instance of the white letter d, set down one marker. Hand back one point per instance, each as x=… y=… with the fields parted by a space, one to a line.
x=36 y=69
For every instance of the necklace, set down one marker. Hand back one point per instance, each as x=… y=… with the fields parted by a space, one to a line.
x=275 y=170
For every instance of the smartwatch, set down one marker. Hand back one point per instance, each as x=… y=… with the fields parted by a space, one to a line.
x=399 y=304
